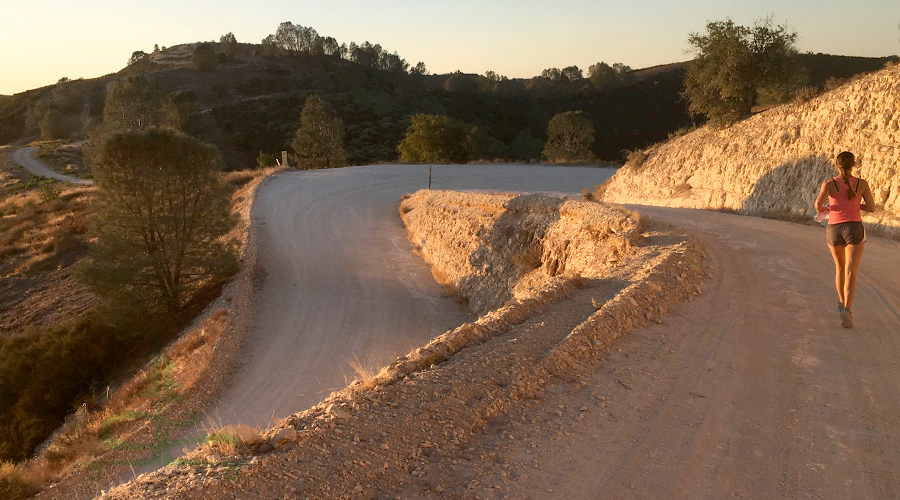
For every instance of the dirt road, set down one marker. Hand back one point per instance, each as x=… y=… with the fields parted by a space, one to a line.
x=342 y=281
x=25 y=157
x=753 y=390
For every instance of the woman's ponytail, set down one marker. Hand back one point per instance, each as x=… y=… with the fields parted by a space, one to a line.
x=845 y=162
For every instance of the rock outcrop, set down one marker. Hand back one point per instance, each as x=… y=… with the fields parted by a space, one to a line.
x=773 y=163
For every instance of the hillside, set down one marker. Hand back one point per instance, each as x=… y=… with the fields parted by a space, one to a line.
x=773 y=163
x=251 y=103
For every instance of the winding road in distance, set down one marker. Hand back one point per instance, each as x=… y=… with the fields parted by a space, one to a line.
x=25 y=158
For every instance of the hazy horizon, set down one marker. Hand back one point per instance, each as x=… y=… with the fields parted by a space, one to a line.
x=516 y=39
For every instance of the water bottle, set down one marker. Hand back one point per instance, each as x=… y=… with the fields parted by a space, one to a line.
x=822 y=217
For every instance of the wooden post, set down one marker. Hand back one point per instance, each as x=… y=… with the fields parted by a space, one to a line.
x=429 y=177
x=284 y=158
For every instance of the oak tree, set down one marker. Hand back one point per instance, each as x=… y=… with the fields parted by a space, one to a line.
x=228 y=44
x=570 y=138
x=733 y=63
x=434 y=139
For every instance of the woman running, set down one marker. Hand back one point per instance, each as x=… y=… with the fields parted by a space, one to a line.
x=845 y=235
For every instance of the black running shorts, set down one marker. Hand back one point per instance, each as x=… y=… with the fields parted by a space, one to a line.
x=845 y=233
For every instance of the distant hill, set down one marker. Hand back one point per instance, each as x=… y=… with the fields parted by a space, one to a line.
x=251 y=103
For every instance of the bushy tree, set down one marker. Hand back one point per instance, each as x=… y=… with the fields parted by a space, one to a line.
x=572 y=73
x=287 y=37
x=570 y=138
x=132 y=104
x=330 y=47
x=204 y=58
x=136 y=56
x=67 y=97
x=461 y=83
x=319 y=142
x=162 y=216
x=265 y=160
x=367 y=55
x=434 y=139
x=606 y=77
x=54 y=125
x=393 y=63
x=295 y=39
x=228 y=44
x=482 y=146
x=733 y=62
x=269 y=46
x=554 y=75
x=526 y=147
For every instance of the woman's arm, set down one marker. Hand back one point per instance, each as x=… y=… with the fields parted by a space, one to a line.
x=822 y=198
x=868 y=203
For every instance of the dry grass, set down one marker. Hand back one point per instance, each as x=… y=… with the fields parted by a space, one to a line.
x=365 y=375
x=32 y=230
x=636 y=158
x=447 y=284
x=18 y=481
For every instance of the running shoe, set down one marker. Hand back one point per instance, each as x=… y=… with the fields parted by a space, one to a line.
x=840 y=307
x=846 y=318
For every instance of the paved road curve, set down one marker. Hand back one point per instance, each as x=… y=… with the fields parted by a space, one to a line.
x=343 y=281
x=25 y=157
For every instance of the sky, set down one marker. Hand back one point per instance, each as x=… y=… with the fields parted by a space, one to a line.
x=42 y=41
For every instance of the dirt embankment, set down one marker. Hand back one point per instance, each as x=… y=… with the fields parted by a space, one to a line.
x=493 y=248
x=417 y=428
x=773 y=163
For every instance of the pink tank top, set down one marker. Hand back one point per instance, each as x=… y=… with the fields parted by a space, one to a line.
x=842 y=209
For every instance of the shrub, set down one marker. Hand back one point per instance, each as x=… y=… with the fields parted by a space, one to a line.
x=834 y=82
x=434 y=139
x=265 y=160
x=635 y=158
x=204 y=58
x=49 y=190
x=14 y=485
x=45 y=374
x=805 y=94
x=570 y=138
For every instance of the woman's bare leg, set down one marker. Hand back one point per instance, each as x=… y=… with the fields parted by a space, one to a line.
x=838 y=253
x=853 y=254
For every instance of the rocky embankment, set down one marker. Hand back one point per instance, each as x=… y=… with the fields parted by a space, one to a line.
x=560 y=281
x=773 y=163
x=492 y=248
